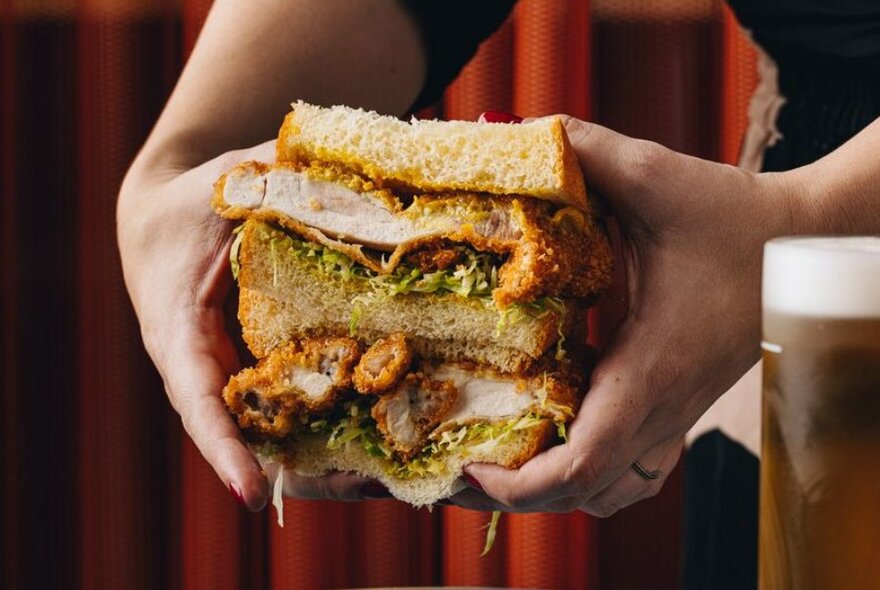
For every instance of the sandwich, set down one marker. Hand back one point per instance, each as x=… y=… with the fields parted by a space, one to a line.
x=414 y=294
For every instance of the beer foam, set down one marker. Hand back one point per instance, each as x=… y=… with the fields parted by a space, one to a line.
x=823 y=276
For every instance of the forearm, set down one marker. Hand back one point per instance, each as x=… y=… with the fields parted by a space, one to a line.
x=840 y=194
x=253 y=58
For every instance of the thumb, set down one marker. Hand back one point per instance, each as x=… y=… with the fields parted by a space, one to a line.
x=613 y=163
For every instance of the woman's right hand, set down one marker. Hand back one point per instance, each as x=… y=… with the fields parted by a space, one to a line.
x=174 y=256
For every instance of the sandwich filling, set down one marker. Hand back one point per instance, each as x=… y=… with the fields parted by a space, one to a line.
x=456 y=269
x=541 y=250
x=408 y=413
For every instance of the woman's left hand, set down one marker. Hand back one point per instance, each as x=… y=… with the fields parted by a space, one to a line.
x=692 y=233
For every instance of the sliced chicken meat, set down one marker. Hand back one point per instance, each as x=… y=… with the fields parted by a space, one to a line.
x=361 y=218
x=406 y=416
x=545 y=253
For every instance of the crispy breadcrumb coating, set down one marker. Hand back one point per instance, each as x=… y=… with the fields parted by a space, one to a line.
x=549 y=251
x=297 y=379
x=383 y=365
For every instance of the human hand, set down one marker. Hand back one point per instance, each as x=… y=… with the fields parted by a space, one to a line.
x=174 y=251
x=692 y=233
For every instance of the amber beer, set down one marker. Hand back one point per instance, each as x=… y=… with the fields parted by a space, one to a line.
x=820 y=464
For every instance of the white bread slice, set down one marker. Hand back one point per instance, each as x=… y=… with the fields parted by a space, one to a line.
x=534 y=159
x=313 y=459
x=282 y=297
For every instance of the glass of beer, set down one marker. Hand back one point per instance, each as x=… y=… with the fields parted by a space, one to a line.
x=820 y=465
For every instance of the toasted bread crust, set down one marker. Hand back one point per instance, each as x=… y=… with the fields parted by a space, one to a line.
x=533 y=159
x=312 y=458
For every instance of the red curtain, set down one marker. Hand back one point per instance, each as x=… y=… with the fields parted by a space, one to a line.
x=100 y=487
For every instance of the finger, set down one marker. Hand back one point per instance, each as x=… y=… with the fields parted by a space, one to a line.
x=206 y=420
x=346 y=487
x=631 y=487
x=195 y=367
x=602 y=439
x=573 y=469
x=217 y=167
x=471 y=499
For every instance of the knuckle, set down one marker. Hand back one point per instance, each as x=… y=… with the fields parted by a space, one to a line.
x=576 y=129
x=654 y=488
x=601 y=508
x=585 y=472
x=570 y=504
x=510 y=496
x=648 y=160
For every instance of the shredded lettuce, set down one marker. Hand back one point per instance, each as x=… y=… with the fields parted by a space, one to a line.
x=354 y=425
x=491 y=531
x=233 y=251
x=476 y=275
x=539 y=309
x=357 y=310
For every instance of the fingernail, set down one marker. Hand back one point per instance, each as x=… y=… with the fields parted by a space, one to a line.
x=500 y=117
x=471 y=481
x=236 y=493
x=374 y=491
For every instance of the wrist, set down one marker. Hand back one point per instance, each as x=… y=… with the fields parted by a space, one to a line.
x=797 y=196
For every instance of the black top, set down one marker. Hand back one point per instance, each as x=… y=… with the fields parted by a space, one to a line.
x=834 y=33
x=452 y=30
x=836 y=36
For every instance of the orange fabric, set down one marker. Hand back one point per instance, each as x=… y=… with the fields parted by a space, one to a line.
x=309 y=552
x=551 y=58
x=464 y=535
x=740 y=77
x=484 y=83
x=121 y=422
x=552 y=551
x=101 y=487
x=379 y=533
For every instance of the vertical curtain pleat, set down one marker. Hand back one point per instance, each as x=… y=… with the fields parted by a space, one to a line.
x=10 y=457
x=485 y=82
x=39 y=455
x=641 y=545
x=552 y=551
x=310 y=552
x=390 y=544
x=121 y=61
x=655 y=77
x=551 y=58
x=464 y=534
x=656 y=71
x=215 y=531
x=194 y=14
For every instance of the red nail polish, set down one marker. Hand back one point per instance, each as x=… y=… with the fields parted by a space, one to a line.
x=499 y=117
x=237 y=495
x=471 y=481
x=374 y=491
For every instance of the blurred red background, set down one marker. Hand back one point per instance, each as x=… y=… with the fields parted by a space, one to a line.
x=101 y=489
